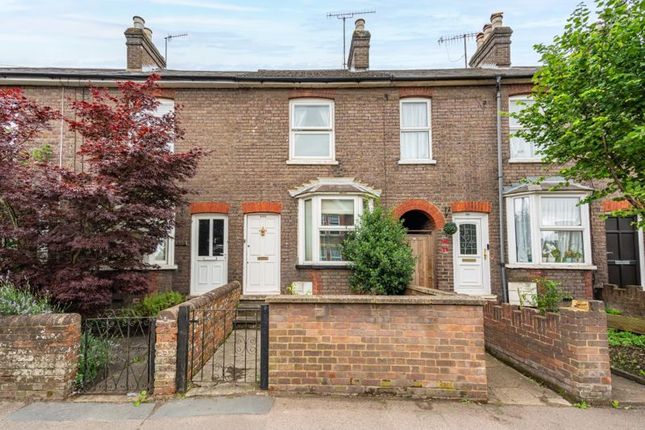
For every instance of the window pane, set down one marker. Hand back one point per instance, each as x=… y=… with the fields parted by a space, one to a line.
x=414 y=114
x=520 y=148
x=331 y=245
x=337 y=212
x=308 y=229
x=415 y=145
x=218 y=237
x=311 y=116
x=516 y=105
x=203 y=234
x=560 y=211
x=522 y=230
x=160 y=255
x=311 y=144
x=468 y=239
x=562 y=247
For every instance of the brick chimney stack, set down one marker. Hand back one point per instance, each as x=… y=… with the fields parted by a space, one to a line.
x=493 y=44
x=142 y=54
x=359 y=50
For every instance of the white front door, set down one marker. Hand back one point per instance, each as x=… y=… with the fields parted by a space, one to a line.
x=471 y=254
x=262 y=254
x=209 y=253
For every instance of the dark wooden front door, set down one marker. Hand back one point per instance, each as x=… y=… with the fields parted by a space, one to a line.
x=622 y=251
x=423 y=250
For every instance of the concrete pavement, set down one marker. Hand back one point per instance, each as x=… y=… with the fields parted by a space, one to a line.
x=264 y=413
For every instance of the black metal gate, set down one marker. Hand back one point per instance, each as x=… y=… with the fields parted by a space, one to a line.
x=117 y=355
x=223 y=347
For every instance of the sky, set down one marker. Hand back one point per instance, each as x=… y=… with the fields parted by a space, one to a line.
x=253 y=34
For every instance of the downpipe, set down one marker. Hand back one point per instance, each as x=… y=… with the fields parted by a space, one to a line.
x=500 y=188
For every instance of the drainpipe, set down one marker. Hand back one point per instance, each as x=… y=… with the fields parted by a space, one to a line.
x=500 y=188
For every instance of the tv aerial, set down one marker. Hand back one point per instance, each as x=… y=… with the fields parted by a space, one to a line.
x=344 y=16
x=452 y=39
x=168 y=39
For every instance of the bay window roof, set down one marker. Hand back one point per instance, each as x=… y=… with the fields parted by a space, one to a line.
x=548 y=184
x=334 y=186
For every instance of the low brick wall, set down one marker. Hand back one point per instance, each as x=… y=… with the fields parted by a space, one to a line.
x=38 y=355
x=213 y=330
x=567 y=350
x=630 y=300
x=421 y=347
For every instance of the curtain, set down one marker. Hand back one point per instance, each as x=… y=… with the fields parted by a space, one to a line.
x=414 y=115
x=562 y=246
x=308 y=229
x=415 y=145
x=523 y=230
x=311 y=116
x=560 y=211
x=308 y=144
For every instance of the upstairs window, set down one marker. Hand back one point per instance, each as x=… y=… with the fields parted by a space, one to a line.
x=521 y=149
x=311 y=138
x=166 y=106
x=416 y=136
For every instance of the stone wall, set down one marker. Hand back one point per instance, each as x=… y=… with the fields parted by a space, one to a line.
x=630 y=300
x=567 y=350
x=421 y=347
x=39 y=355
x=213 y=330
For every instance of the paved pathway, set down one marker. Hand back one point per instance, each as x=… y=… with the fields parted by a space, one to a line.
x=265 y=413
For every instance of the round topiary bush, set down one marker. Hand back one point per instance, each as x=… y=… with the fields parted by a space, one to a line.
x=382 y=260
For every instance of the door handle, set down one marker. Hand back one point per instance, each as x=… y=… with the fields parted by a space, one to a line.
x=485 y=254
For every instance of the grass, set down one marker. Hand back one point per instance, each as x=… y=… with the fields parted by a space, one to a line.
x=612 y=311
x=625 y=338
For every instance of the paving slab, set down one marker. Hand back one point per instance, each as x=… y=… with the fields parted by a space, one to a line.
x=507 y=386
x=245 y=405
x=627 y=392
x=66 y=411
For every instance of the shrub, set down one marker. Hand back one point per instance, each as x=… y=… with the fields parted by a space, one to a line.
x=93 y=357
x=154 y=303
x=17 y=301
x=382 y=260
x=549 y=295
x=612 y=311
x=625 y=338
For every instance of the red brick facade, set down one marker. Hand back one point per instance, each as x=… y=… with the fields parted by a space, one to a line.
x=39 y=356
x=261 y=207
x=568 y=349
x=630 y=300
x=417 y=347
x=247 y=132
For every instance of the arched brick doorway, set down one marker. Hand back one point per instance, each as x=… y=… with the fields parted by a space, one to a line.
x=422 y=219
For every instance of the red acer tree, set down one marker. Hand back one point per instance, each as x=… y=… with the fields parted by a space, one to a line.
x=81 y=237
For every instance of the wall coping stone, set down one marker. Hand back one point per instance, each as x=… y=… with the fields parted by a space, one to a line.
x=379 y=300
x=40 y=319
x=200 y=301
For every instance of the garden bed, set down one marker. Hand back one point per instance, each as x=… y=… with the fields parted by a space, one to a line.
x=627 y=354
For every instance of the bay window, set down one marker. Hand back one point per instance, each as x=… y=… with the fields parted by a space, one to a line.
x=521 y=149
x=416 y=136
x=325 y=221
x=548 y=229
x=311 y=137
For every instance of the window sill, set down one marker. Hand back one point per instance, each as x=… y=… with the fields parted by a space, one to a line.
x=557 y=266
x=160 y=268
x=525 y=160
x=314 y=162
x=334 y=266
x=417 y=161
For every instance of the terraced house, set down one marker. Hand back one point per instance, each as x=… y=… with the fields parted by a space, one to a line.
x=298 y=155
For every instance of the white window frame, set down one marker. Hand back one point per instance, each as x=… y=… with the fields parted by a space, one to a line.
x=428 y=102
x=513 y=129
x=535 y=208
x=293 y=159
x=317 y=226
x=169 y=263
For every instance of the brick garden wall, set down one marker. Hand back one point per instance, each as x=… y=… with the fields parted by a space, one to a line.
x=422 y=347
x=567 y=349
x=578 y=283
x=630 y=300
x=206 y=334
x=39 y=355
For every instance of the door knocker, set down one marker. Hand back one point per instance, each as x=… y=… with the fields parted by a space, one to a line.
x=263 y=231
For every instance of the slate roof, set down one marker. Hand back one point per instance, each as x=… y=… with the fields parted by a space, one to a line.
x=326 y=75
x=533 y=184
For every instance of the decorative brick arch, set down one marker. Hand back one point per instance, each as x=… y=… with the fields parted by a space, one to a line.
x=424 y=206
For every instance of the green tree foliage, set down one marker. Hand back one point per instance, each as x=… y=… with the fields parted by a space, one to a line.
x=382 y=260
x=589 y=102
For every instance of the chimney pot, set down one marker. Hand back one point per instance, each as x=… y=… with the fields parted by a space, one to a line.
x=496 y=19
x=488 y=28
x=147 y=32
x=138 y=22
x=360 y=24
x=480 y=39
